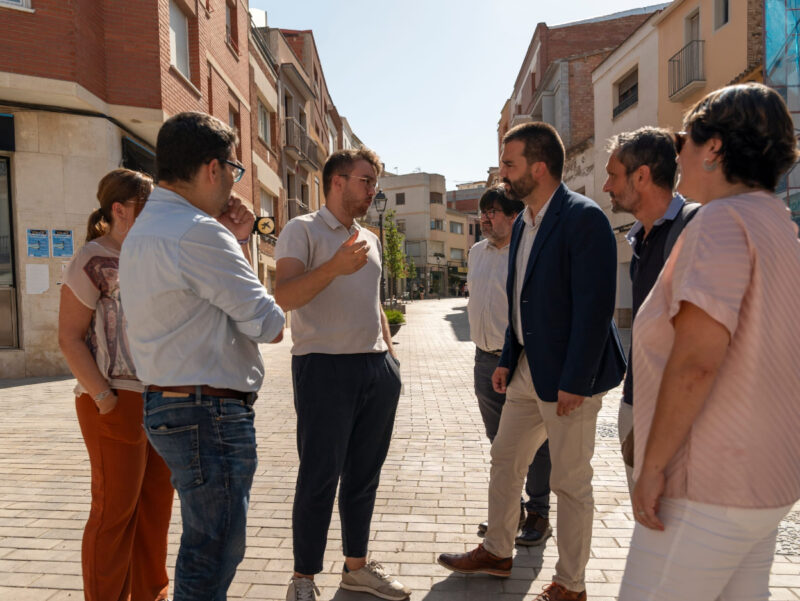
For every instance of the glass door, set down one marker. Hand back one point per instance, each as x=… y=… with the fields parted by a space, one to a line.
x=8 y=296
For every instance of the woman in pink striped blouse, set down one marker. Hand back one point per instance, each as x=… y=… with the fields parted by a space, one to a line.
x=716 y=346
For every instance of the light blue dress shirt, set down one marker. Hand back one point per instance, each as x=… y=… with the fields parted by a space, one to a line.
x=195 y=309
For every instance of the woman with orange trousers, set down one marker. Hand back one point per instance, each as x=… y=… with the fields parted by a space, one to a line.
x=124 y=547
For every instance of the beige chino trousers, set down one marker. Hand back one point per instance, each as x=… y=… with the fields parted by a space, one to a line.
x=525 y=423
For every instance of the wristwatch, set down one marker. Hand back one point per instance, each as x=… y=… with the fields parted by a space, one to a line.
x=103 y=395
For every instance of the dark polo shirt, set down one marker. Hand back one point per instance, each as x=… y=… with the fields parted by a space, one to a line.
x=648 y=259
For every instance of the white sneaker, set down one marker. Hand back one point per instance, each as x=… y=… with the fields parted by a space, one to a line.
x=302 y=589
x=374 y=579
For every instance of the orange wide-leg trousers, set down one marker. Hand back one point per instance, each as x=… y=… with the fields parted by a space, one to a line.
x=124 y=549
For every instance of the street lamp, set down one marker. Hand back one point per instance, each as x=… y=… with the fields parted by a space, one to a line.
x=439 y=257
x=380 y=205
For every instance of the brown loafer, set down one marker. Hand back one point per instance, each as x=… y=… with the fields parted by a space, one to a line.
x=557 y=592
x=477 y=561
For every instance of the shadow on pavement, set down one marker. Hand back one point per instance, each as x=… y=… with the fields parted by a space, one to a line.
x=459 y=321
x=16 y=382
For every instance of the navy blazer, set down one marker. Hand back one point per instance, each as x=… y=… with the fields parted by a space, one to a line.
x=567 y=301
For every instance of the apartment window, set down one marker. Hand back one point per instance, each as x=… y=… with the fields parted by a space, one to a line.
x=436 y=198
x=456 y=227
x=437 y=224
x=400 y=198
x=179 y=39
x=317 y=192
x=471 y=229
x=693 y=26
x=19 y=3
x=401 y=225
x=721 y=13
x=264 y=124
x=626 y=92
x=267 y=204
x=456 y=254
x=231 y=29
x=413 y=249
x=233 y=121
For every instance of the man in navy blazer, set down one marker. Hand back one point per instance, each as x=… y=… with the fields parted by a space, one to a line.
x=561 y=354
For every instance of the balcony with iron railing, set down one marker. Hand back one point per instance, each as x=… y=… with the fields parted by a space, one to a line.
x=299 y=146
x=297 y=207
x=686 y=70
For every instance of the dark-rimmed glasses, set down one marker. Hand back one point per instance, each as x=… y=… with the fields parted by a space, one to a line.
x=490 y=213
x=370 y=183
x=238 y=169
x=679 y=137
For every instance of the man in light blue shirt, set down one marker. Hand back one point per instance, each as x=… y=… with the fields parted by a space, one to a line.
x=196 y=312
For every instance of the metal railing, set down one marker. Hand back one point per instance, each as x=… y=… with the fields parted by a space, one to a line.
x=632 y=99
x=297 y=207
x=686 y=67
x=297 y=138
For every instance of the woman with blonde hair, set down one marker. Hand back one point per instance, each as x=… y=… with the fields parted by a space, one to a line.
x=716 y=347
x=124 y=547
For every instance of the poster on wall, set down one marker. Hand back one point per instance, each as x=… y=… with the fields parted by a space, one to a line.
x=38 y=244
x=62 y=243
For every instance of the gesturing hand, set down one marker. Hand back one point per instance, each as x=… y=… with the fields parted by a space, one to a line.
x=500 y=379
x=350 y=257
x=238 y=218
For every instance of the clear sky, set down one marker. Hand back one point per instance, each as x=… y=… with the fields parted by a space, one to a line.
x=422 y=82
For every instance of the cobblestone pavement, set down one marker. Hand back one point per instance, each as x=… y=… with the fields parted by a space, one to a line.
x=432 y=493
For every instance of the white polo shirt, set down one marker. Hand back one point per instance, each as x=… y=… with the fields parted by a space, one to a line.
x=344 y=317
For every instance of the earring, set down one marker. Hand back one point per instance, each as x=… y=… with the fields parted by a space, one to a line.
x=709 y=166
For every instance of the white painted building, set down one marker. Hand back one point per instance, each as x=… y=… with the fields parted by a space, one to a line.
x=625 y=98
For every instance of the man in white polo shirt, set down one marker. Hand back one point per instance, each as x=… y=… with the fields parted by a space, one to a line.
x=345 y=374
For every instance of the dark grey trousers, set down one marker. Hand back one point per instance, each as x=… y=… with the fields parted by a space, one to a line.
x=345 y=414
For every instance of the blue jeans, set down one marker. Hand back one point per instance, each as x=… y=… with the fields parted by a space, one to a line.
x=537 y=482
x=209 y=445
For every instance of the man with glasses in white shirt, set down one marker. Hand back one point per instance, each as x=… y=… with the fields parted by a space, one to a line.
x=345 y=373
x=196 y=313
x=488 y=320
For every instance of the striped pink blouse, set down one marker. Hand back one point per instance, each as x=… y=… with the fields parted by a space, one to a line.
x=739 y=261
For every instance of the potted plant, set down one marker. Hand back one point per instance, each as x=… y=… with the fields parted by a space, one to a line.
x=395 y=319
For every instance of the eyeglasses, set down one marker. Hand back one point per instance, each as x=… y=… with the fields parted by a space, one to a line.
x=370 y=183
x=490 y=213
x=238 y=170
x=679 y=137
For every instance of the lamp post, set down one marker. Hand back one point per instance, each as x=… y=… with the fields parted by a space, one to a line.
x=439 y=257
x=380 y=205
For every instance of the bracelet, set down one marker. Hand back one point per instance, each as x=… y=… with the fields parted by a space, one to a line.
x=245 y=240
x=102 y=396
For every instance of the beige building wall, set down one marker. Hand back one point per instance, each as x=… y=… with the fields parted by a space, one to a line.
x=725 y=52
x=58 y=162
x=639 y=53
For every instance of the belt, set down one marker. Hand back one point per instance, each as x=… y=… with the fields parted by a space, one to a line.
x=495 y=353
x=228 y=393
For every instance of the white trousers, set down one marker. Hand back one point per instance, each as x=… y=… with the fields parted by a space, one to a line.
x=705 y=553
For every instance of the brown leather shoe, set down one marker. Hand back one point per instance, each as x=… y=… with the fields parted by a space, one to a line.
x=477 y=561
x=557 y=592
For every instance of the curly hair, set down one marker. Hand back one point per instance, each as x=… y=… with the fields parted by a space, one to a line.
x=755 y=128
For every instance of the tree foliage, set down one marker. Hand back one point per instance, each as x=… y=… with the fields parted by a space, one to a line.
x=394 y=259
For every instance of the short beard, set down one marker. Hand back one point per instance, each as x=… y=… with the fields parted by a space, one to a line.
x=522 y=187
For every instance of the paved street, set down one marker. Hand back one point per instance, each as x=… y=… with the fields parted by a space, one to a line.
x=432 y=494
